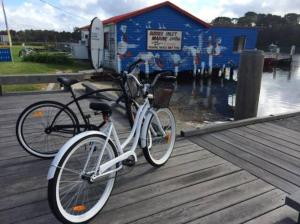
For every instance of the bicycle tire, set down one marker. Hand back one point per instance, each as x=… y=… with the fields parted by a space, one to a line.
x=155 y=154
x=56 y=196
x=27 y=128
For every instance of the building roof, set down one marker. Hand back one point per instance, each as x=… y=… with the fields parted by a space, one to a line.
x=120 y=18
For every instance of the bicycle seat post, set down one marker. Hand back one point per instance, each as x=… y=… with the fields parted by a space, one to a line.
x=72 y=92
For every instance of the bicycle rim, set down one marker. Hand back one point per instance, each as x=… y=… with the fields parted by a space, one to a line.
x=160 y=147
x=78 y=200
x=36 y=135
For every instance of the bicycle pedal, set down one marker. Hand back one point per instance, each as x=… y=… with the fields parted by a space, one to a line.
x=129 y=161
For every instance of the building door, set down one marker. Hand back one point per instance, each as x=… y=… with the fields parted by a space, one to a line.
x=109 y=46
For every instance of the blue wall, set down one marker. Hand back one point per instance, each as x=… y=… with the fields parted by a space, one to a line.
x=195 y=41
x=227 y=34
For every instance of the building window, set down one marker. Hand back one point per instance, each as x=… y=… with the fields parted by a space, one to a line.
x=239 y=43
x=106 y=40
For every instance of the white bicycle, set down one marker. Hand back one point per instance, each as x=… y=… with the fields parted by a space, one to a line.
x=83 y=172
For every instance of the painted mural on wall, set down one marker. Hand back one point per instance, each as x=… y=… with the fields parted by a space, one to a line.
x=124 y=46
x=201 y=48
x=195 y=55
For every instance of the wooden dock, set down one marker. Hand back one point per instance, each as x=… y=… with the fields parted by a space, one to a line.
x=239 y=175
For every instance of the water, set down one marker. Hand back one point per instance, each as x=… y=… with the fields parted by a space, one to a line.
x=204 y=101
x=280 y=90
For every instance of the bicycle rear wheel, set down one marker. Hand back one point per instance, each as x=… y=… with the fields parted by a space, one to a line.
x=72 y=197
x=159 y=147
x=43 y=127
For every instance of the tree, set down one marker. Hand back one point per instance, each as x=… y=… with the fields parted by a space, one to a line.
x=251 y=17
x=244 y=21
x=222 y=21
x=292 y=18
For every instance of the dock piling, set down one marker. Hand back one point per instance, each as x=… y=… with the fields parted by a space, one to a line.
x=249 y=81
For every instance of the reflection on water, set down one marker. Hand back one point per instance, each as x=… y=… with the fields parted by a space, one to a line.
x=280 y=90
x=206 y=100
x=203 y=101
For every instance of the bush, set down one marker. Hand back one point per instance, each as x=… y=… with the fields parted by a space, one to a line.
x=49 y=58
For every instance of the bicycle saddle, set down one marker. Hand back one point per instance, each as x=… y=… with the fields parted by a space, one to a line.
x=66 y=81
x=103 y=107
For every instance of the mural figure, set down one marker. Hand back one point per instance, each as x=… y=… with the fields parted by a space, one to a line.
x=161 y=26
x=148 y=25
x=158 y=64
x=123 y=47
x=202 y=67
x=147 y=57
x=176 y=59
x=194 y=51
x=212 y=50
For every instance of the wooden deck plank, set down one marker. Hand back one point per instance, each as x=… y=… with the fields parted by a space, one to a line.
x=282 y=215
x=270 y=138
x=25 y=167
x=197 y=175
x=281 y=148
x=173 y=199
x=281 y=129
x=209 y=204
x=42 y=219
x=127 y=198
x=292 y=123
x=268 y=154
x=246 y=210
x=37 y=177
x=282 y=136
x=257 y=167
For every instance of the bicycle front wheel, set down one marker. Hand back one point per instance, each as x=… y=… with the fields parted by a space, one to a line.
x=160 y=145
x=72 y=196
x=43 y=127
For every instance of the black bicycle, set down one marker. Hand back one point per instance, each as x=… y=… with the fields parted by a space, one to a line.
x=43 y=127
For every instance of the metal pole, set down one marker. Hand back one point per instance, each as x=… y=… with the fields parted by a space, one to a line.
x=8 y=33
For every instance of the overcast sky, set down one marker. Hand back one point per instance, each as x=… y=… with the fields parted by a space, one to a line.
x=37 y=14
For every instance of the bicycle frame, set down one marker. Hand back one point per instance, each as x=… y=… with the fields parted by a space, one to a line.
x=90 y=95
x=75 y=100
x=145 y=111
x=139 y=131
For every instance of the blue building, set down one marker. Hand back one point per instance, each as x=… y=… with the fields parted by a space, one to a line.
x=169 y=38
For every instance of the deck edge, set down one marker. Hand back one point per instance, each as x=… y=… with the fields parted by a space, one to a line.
x=235 y=124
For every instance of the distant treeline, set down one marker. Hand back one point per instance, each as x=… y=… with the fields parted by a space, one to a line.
x=43 y=36
x=281 y=30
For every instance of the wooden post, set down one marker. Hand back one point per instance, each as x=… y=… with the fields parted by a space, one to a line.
x=248 y=87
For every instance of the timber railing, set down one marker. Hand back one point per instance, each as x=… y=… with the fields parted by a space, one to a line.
x=42 y=78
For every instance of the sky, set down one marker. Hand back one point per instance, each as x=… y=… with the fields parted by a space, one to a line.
x=67 y=14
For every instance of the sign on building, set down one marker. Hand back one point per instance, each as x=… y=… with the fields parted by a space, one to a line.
x=164 y=40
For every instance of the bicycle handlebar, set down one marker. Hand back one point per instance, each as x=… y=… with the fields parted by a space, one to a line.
x=130 y=68
x=166 y=75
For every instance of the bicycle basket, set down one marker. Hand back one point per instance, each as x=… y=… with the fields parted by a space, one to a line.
x=162 y=93
x=132 y=88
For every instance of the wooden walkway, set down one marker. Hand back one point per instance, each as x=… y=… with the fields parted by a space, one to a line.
x=239 y=175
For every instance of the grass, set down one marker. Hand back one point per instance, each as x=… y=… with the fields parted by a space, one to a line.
x=24 y=87
x=20 y=67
